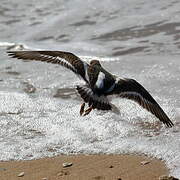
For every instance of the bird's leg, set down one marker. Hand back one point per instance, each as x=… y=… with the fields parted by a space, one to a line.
x=82 y=109
x=87 y=111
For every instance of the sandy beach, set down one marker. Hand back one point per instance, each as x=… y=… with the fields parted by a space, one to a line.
x=85 y=167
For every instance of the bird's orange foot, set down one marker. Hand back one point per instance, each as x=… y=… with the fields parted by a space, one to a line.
x=82 y=109
x=87 y=111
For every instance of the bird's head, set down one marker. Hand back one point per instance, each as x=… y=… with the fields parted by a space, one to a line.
x=95 y=63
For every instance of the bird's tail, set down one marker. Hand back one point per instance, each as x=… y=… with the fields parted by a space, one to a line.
x=97 y=102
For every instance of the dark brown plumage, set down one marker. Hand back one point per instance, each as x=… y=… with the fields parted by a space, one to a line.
x=99 y=82
x=54 y=57
x=131 y=89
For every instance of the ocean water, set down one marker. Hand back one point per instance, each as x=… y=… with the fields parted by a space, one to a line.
x=39 y=109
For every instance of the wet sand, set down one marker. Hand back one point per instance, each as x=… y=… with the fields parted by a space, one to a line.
x=85 y=167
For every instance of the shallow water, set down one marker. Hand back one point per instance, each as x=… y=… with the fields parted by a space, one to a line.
x=39 y=110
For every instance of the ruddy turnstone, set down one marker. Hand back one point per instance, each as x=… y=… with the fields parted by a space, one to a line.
x=98 y=82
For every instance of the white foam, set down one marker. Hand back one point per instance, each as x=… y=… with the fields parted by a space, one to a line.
x=101 y=59
x=6 y=44
x=37 y=127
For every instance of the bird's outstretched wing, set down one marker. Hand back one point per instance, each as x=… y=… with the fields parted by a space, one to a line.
x=65 y=59
x=131 y=89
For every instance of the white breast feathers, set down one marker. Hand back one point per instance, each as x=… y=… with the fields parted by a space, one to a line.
x=100 y=80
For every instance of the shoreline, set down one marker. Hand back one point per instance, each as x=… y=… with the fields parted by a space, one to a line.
x=85 y=167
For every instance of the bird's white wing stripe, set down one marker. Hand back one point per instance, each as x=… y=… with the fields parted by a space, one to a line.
x=100 y=80
x=60 y=59
x=86 y=71
x=66 y=62
x=135 y=94
x=131 y=93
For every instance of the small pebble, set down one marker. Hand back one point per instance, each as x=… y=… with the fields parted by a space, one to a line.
x=21 y=174
x=66 y=173
x=60 y=174
x=111 y=166
x=67 y=164
x=145 y=162
x=44 y=178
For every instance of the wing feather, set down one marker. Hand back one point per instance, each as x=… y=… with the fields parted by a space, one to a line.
x=131 y=89
x=66 y=59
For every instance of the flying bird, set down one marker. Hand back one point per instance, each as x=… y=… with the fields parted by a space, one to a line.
x=99 y=83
